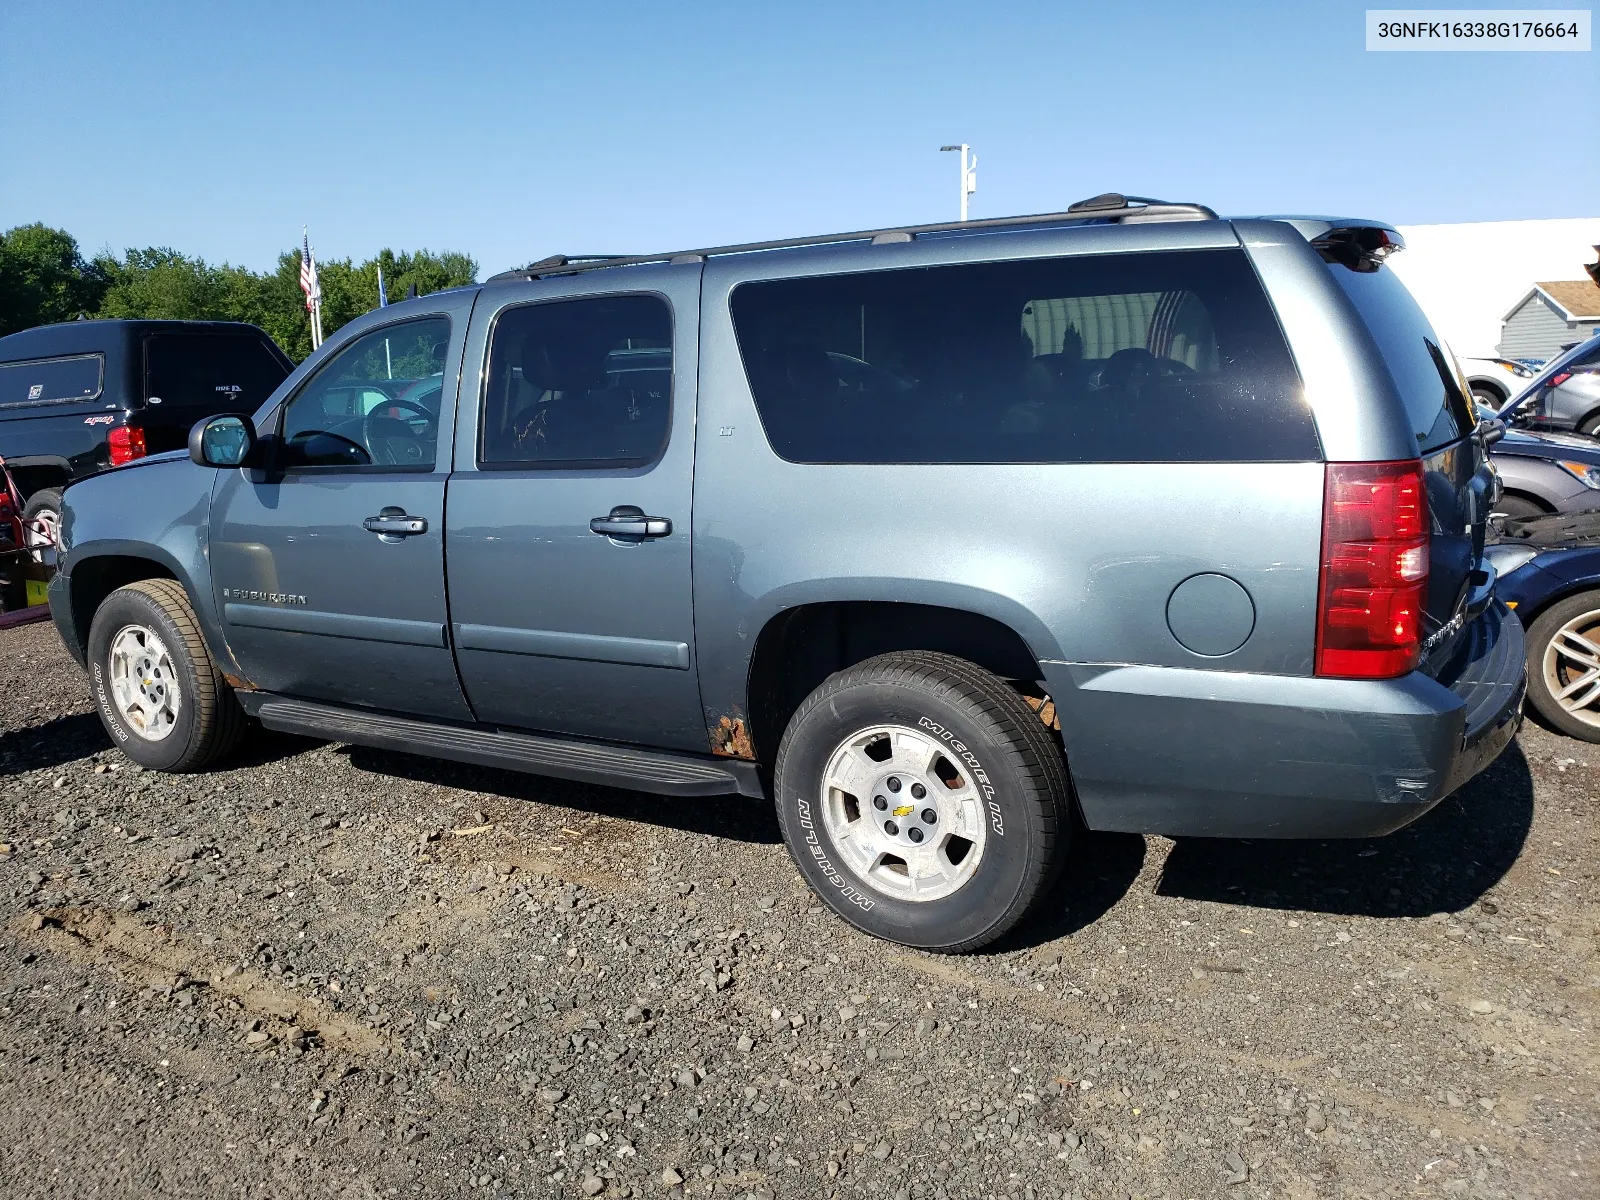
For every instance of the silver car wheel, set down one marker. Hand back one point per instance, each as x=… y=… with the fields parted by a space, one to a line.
x=1572 y=667
x=42 y=532
x=144 y=683
x=908 y=820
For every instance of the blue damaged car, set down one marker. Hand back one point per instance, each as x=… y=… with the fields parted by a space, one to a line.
x=945 y=540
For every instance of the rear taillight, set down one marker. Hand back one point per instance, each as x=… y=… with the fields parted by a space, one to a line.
x=1558 y=379
x=1374 y=570
x=127 y=444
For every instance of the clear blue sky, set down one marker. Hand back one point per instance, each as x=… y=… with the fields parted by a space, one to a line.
x=514 y=130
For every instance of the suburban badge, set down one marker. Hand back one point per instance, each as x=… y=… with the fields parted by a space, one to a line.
x=262 y=597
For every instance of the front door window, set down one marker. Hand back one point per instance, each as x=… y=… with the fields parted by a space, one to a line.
x=375 y=404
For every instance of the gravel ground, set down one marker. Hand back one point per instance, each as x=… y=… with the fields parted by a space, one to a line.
x=336 y=972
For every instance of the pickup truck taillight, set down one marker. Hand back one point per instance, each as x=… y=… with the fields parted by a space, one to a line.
x=1374 y=570
x=127 y=444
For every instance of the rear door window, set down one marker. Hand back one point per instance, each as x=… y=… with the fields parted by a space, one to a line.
x=1436 y=406
x=1154 y=357
x=579 y=383
x=216 y=372
x=51 y=380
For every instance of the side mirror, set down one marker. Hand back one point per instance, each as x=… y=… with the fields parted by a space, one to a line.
x=225 y=441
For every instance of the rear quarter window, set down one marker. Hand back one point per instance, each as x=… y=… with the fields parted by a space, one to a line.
x=219 y=372
x=1152 y=357
x=51 y=380
x=1436 y=407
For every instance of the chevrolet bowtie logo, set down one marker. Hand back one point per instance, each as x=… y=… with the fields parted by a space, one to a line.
x=904 y=810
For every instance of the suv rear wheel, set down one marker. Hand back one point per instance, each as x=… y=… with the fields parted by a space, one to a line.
x=161 y=696
x=923 y=800
x=41 y=522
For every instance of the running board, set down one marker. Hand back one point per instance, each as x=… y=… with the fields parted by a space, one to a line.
x=589 y=762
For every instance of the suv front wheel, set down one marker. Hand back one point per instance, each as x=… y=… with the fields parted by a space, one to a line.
x=161 y=697
x=923 y=800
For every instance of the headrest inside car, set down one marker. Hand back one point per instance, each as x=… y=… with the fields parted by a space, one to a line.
x=564 y=364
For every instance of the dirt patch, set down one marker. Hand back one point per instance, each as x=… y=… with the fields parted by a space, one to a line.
x=650 y=989
x=158 y=955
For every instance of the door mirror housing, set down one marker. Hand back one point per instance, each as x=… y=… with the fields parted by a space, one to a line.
x=228 y=440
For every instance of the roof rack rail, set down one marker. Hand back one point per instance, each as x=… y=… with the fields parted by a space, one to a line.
x=1139 y=208
x=1110 y=207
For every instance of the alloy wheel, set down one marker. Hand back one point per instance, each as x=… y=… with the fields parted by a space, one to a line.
x=144 y=682
x=1572 y=667
x=42 y=532
x=908 y=820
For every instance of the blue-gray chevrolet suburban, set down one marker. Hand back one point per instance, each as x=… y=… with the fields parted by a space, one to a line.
x=948 y=540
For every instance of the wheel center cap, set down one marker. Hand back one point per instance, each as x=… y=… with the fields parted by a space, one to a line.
x=906 y=812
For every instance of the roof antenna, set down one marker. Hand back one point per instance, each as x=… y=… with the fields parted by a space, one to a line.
x=411 y=292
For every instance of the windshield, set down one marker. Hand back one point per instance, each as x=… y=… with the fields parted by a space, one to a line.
x=1583 y=354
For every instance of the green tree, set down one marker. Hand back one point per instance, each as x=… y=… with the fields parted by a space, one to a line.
x=424 y=270
x=349 y=290
x=160 y=284
x=44 y=278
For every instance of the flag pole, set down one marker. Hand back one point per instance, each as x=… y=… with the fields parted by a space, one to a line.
x=311 y=287
x=316 y=295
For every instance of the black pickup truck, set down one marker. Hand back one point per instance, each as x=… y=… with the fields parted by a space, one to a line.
x=82 y=396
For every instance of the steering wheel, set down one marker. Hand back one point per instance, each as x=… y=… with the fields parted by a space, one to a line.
x=400 y=442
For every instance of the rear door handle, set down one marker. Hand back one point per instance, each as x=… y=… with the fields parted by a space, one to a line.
x=392 y=524
x=627 y=521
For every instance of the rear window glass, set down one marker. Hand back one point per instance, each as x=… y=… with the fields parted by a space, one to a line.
x=1436 y=407
x=1157 y=357
x=51 y=380
x=221 y=372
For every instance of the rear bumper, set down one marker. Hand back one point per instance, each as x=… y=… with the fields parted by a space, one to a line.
x=1190 y=753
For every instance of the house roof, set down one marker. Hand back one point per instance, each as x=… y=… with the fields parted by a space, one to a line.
x=1577 y=299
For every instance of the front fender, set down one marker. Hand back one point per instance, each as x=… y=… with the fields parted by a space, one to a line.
x=113 y=525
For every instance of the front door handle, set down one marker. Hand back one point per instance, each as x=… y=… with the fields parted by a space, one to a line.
x=392 y=524
x=627 y=521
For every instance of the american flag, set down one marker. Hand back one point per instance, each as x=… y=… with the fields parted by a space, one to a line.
x=308 y=274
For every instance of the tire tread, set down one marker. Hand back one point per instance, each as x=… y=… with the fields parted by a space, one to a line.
x=1042 y=759
x=219 y=721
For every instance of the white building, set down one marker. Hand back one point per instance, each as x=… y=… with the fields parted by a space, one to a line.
x=1468 y=277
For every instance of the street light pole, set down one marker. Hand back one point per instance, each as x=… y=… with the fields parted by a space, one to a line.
x=969 y=174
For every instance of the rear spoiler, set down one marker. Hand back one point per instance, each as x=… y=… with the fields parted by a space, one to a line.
x=1358 y=244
